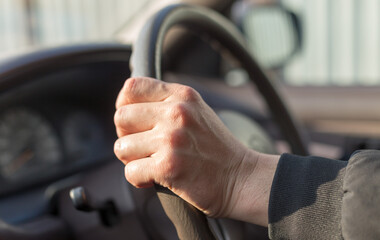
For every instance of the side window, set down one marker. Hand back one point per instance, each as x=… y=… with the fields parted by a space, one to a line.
x=340 y=41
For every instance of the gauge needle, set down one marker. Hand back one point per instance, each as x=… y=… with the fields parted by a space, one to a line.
x=22 y=159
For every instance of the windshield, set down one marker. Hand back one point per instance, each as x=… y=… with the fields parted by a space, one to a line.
x=31 y=24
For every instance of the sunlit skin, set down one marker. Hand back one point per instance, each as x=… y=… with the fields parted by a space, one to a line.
x=168 y=135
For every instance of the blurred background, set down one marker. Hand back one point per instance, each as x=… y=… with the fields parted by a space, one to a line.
x=39 y=23
x=340 y=38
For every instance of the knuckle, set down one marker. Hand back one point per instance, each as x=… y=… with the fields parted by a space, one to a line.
x=130 y=85
x=121 y=148
x=180 y=114
x=171 y=165
x=120 y=115
x=117 y=148
x=170 y=168
x=117 y=116
x=178 y=139
x=189 y=93
x=130 y=88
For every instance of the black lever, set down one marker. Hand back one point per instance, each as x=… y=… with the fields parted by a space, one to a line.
x=107 y=210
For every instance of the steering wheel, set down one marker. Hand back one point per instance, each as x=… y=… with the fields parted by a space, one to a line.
x=146 y=61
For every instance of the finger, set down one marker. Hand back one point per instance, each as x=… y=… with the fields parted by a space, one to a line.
x=136 y=146
x=142 y=89
x=140 y=173
x=137 y=117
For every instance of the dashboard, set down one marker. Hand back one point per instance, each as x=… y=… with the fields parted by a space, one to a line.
x=55 y=122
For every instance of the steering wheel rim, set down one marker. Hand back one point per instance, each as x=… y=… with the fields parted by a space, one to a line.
x=146 y=61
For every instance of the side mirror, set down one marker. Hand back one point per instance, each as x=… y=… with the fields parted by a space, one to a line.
x=273 y=34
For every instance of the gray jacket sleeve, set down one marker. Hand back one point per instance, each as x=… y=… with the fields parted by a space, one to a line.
x=319 y=198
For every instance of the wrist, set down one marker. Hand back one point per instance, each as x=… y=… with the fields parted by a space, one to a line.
x=251 y=194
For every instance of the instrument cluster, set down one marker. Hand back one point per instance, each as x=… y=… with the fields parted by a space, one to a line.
x=35 y=147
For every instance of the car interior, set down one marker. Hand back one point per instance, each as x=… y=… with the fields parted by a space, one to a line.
x=59 y=177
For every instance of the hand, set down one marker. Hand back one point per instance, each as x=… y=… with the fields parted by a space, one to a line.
x=168 y=135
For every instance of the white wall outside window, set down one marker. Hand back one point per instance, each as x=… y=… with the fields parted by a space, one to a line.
x=341 y=43
x=35 y=23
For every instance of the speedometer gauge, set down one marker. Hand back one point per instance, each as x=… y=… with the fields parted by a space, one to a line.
x=28 y=145
x=83 y=137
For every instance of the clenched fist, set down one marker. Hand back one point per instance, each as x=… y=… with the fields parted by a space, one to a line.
x=168 y=135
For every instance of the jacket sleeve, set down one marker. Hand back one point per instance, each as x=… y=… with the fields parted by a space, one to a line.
x=319 y=198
